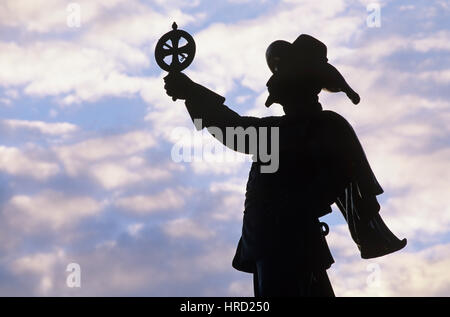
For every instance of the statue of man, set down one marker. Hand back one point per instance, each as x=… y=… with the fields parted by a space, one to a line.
x=321 y=162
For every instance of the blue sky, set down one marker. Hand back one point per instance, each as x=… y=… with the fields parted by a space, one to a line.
x=86 y=172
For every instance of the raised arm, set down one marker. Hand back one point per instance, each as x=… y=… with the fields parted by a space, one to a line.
x=207 y=109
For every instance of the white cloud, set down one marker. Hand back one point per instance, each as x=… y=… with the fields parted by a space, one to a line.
x=340 y=241
x=26 y=163
x=230 y=195
x=422 y=273
x=216 y=259
x=51 y=68
x=38 y=263
x=112 y=42
x=187 y=228
x=240 y=288
x=135 y=229
x=44 y=266
x=50 y=15
x=440 y=77
x=58 y=128
x=414 y=176
x=231 y=185
x=116 y=160
x=37 y=16
x=404 y=273
x=76 y=156
x=121 y=173
x=374 y=50
x=49 y=209
x=146 y=204
x=171 y=4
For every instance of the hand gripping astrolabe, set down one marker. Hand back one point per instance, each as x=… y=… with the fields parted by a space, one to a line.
x=170 y=55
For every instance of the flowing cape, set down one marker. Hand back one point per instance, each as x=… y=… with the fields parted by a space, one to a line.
x=357 y=202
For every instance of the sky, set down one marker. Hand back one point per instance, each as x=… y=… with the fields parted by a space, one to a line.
x=87 y=132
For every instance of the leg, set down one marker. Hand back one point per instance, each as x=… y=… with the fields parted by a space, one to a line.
x=275 y=279
x=321 y=286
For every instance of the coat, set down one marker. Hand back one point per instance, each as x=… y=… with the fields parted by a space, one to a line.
x=321 y=162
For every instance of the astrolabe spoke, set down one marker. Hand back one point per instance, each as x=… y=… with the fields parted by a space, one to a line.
x=186 y=48
x=175 y=38
x=167 y=52
x=167 y=46
x=175 y=61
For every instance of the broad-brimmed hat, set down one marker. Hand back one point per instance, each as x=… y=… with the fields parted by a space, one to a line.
x=310 y=53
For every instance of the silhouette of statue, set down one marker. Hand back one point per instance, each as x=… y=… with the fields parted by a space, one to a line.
x=321 y=162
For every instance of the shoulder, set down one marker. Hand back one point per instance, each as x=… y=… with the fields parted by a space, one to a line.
x=332 y=129
x=331 y=118
x=329 y=122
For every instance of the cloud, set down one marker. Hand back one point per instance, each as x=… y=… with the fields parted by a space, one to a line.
x=231 y=185
x=41 y=16
x=135 y=229
x=76 y=156
x=139 y=265
x=26 y=163
x=49 y=209
x=243 y=287
x=439 y=77
x=168 y=199
x=111 y=45
x=229 y=196
x=44 y=16
x=108 y=146
x=410 y=162
x=121 y=173
x=58 y=128
x=115 y=161
x=42 y=67
x=421 y=273
x=187 y=228
x=375 y=50
x=43 y=267
x=215 y=260
x=405 y=273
